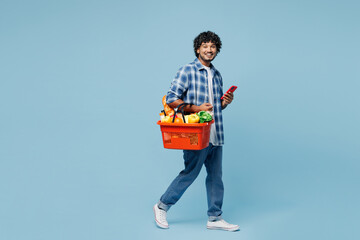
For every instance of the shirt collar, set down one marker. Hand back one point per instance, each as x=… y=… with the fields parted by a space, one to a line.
x=200 y=66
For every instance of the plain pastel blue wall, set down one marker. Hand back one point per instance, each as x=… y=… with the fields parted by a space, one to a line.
x=81 y=84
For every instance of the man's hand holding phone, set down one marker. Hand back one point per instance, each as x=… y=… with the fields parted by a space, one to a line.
x=228 y=97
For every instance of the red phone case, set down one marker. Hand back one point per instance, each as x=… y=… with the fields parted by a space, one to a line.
x=231 y=89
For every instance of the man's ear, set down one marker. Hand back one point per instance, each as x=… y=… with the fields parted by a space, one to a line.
x=198 y=50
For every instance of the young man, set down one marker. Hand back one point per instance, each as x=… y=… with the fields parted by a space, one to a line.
x=200 y=84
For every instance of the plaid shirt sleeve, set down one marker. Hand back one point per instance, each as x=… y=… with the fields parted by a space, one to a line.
x=178 y=86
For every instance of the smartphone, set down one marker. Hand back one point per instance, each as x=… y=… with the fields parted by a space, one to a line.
x=231 y=89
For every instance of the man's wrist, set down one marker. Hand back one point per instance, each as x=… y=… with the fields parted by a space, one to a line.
x=193 y=108
x=223 y=105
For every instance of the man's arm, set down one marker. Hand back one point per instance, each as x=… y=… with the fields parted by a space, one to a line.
x=192 y=108
x=228 y=98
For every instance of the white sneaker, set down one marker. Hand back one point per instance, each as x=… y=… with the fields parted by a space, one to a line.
x=160 y=217
x=222 y=225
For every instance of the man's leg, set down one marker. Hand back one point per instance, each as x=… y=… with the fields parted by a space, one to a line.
x=214 y=183
x=193 y=160
x=215 y=191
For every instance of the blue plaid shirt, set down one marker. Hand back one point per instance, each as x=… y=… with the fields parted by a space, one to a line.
x=191 y=85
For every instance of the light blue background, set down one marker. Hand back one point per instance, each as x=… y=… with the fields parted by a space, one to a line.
x=81 y=84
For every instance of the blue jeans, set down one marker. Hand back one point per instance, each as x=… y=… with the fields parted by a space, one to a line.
x=194 y=160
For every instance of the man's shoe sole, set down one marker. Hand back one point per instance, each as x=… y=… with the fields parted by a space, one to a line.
x=225 y=229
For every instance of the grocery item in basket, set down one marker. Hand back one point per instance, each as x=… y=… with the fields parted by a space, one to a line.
x=168 y=110
x=204 y=116
x=178 y=120
x=166 y=119
x=162 y=115
x=193 y=118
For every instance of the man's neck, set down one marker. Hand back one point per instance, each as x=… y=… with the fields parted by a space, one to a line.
x=205 y=63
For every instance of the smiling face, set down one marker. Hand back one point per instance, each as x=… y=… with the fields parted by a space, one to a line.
x=207 y=52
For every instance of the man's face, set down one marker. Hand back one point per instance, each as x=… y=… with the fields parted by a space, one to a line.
x=207 y=52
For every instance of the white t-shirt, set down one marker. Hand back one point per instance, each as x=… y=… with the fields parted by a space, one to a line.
x=211 y=101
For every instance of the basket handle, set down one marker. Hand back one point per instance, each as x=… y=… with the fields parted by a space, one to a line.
x=180 y=109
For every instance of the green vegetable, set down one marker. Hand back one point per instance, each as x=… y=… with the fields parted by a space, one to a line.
x=204 y=116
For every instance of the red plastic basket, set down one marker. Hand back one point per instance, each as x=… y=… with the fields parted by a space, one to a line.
x=187 y=136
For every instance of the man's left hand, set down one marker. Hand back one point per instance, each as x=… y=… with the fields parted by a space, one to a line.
x=228 y=98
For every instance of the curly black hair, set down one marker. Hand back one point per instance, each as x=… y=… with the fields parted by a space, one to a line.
x=206 y=37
